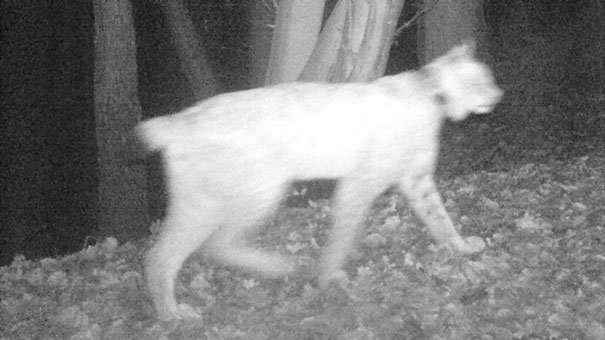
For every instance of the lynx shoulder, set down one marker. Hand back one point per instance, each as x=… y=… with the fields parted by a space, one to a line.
x=230 y=159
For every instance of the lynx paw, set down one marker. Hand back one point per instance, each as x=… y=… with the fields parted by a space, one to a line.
x=275 y=266
x=305 y=268
x=339 y=277
x=471 y=245
x=182 y=312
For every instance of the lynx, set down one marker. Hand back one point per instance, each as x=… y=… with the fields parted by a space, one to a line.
x=229 y=160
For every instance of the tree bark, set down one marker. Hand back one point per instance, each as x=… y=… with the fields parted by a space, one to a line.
x=261 y=18
x=297 y=28
x=322 y=62
x=355 y=42
x=353 y=46
x=122 y=209
x=448 y=23
x=191 y=55
x=371 y=36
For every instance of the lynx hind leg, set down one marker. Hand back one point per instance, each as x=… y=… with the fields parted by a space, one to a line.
x=426 y=202
x=257 y=200
x=185 y=229
x=353 y=199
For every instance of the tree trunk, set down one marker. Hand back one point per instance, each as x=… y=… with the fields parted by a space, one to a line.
x=369 y=39
x=191 y=55
x=261 y=19
x=321 y=63
x=122 y=192
x=354 y=44
x=296 y=31
x=448 y=23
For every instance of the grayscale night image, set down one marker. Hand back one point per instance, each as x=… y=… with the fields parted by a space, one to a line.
x=302 y=169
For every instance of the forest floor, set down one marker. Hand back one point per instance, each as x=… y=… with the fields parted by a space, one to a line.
x=540 y=277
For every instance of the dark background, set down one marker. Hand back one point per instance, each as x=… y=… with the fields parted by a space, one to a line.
x=48 y=153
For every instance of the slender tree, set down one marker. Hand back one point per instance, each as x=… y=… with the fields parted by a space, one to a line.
x=122 y=192
x=353 y=44
x=297 y=27
x=262 y=16
x=192 y=57
x=449 y=22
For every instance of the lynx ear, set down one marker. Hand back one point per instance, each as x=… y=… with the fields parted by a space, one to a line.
x=470 y=46
x=465 y=50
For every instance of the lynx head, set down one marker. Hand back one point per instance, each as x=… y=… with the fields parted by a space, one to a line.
x=465 y=84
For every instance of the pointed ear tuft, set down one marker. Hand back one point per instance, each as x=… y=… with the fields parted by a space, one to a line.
x=470 y=46
x=466 y=50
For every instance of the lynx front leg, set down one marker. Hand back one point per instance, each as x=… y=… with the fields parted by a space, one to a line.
x=186 y=227
x=424 y=198
x=353 y=198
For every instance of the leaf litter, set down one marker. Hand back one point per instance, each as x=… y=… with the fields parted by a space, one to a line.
x=542 y=275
